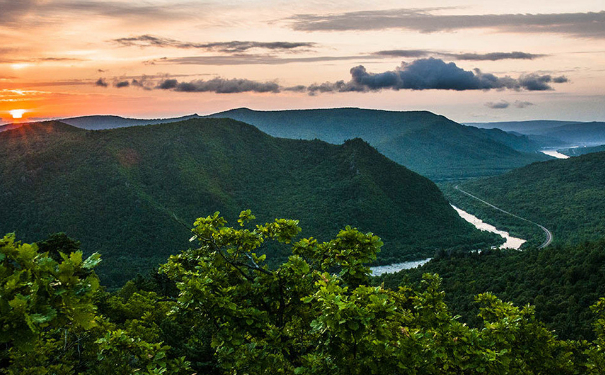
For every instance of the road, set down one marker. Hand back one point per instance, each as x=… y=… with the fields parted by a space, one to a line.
x=548 y=233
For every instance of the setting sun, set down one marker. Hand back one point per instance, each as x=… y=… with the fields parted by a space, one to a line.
x=17 y=113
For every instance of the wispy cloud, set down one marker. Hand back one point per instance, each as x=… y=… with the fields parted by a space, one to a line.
x=220 y=86
x=522 y=104
x=228 y=47
x=38 y=60
x=581 y=25
x=491 y=56
x=503 y=104
x=14 y=12
x=252 y=59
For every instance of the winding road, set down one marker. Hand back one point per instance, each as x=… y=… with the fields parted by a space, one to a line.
x=548 y=233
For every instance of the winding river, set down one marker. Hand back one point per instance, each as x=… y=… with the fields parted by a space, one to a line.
x=510 y=243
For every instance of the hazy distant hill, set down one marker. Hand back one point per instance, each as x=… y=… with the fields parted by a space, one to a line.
x=583 y=134
x=124 y=192
x=429 y=144
x=577 y=151
x=112 y=122
x=523 y=127
x=566 y=196
x=554 y=133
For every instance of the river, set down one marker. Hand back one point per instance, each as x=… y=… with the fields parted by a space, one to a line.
x=555 y=153
x=510 y=243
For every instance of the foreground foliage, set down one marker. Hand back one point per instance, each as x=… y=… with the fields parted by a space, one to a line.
x=219 y=309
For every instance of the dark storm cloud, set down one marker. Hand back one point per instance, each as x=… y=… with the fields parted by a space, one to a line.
x=101 y=82
x=498 y=105
x=561 y=79
x=432 y=74
x=220 y=86
x=229 y=47
x=582 y=25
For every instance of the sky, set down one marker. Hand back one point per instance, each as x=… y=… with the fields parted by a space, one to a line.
x=471 y=61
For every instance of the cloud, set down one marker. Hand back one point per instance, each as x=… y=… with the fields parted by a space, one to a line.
x=101 y=82
x=220 y=86
x=520 y=104
x=255 y=60
x=492 y=56
x=17 y=13
x=432 y=74
x=498 y=105
x=122 y=84
x=228 y=47
x=404 y=53
x=15 y=9
x=536 y=82
x=421 y=74
x=581 y=25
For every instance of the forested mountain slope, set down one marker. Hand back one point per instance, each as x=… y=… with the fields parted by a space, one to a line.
x=429 y=144
x=566 y=196
x=562 y=282
x=129 y=193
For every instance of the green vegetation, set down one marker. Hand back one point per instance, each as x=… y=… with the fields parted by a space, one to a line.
x=431 y=145
x=566 y=196
x=231 y=313
x=562 y=282
x=127 y=193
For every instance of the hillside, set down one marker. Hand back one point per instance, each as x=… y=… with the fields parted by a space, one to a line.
x=429 y=144
x=576 y=151
x=566 y=196
x=560 y=281
x=554 y=133
x=127 y=192
x=112 y=122
x=523 y=127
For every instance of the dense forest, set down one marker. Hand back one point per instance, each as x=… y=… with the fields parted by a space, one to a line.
x=131 y=193
x=566 y=196
x=219 y=309
x=561 y=282
x=429 y=144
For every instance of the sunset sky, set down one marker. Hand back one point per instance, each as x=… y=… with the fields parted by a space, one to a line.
x=468 y=60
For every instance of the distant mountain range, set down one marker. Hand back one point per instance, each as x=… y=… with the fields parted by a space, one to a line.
x=557 y=134
x=429 y=144
x=130 y=193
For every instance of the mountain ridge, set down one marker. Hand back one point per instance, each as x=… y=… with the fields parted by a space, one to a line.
x=127 y=192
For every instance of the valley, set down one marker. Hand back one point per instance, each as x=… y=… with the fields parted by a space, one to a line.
x=130 y=189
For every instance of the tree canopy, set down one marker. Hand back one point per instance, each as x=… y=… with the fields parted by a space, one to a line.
x=218 y=308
